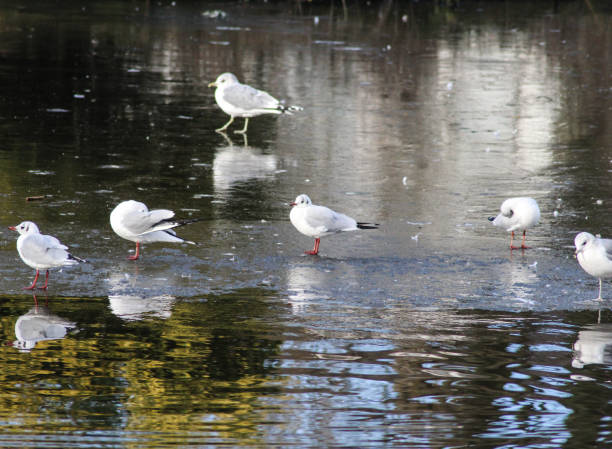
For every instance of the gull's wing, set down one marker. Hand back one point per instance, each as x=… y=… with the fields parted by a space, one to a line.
x=145 y=221
x=43 y=249
x=248 y=98
x=607 y=244
x=325 y=219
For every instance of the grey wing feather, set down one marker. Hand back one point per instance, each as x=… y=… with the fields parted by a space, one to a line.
x=44 y=248
x=150 y=221
x=324 y=218
x=248 y=98
x=319 y=217
x=607 y=244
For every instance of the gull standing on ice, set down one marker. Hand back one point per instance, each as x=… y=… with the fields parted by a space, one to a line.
x=319 y=221
x=517 y=214
x=133 y=221
x=594 y=256
x=40 y=251
x=241 y=100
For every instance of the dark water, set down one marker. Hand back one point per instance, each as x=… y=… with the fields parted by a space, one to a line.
x=428 y=333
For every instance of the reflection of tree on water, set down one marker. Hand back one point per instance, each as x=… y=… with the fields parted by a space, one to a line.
x=209 y=359
x=201 y=369
x=39 y=324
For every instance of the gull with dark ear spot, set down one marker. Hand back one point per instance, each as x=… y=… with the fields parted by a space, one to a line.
x=517 y=214
x=319 y=221
x=40 y=251
x=594 y=256
x=133 y=221
x=240 y=100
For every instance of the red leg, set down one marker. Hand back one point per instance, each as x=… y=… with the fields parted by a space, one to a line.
x=315 y=250
x=523 y=246
x=44 y=287
x=33 y=286
x=511 y=240
x=135 y=256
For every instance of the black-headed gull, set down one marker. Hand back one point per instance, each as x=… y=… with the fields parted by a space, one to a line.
x=40 y=251
x=594 y=256
x=319 y=221
x=133 y=221
x=517 y=214
x=240 y=100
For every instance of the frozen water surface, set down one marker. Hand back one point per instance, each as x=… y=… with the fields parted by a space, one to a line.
x=428 y=332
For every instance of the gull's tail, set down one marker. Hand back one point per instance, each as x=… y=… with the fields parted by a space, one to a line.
x=367 y=225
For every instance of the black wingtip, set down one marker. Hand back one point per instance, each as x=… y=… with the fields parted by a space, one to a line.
x=491 y=218
x=289 y=110
x=178 y=223
x=78 y=259
x=367 y=225
x=188 y=221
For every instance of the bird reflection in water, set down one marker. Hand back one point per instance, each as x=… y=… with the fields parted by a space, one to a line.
x=136 y=308
x=234 y=164
x=39 y=324
x=593 y=346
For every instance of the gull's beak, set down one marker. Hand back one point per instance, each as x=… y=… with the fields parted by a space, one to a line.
x=292 y=203
x=213 y=84
x=12 y=228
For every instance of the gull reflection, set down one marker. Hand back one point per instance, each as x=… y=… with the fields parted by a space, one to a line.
x=127 y=301
x=593 y=346
x=135 y=308
x=234 y=164
x=39 y=324
x=303 y=286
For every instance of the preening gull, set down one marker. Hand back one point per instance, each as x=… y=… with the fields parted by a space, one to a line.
x=517 y=214
x=133 y=221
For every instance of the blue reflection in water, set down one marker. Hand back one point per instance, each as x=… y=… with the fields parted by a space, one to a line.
x=551 y=423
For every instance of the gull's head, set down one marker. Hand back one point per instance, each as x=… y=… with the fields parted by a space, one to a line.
x=583 y=241
x=223 y=80
x=301 y=201
x=507 y=207
x=25 y=227
x=129 y=206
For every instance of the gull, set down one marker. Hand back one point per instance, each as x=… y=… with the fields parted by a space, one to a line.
x=133 y=221
x=241 y=100
x=594 y=256
x=517 y=214
x=40 y=251
x=319 y=221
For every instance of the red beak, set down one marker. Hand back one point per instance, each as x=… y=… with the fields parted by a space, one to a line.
x=292 y=204
x=12 y=228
